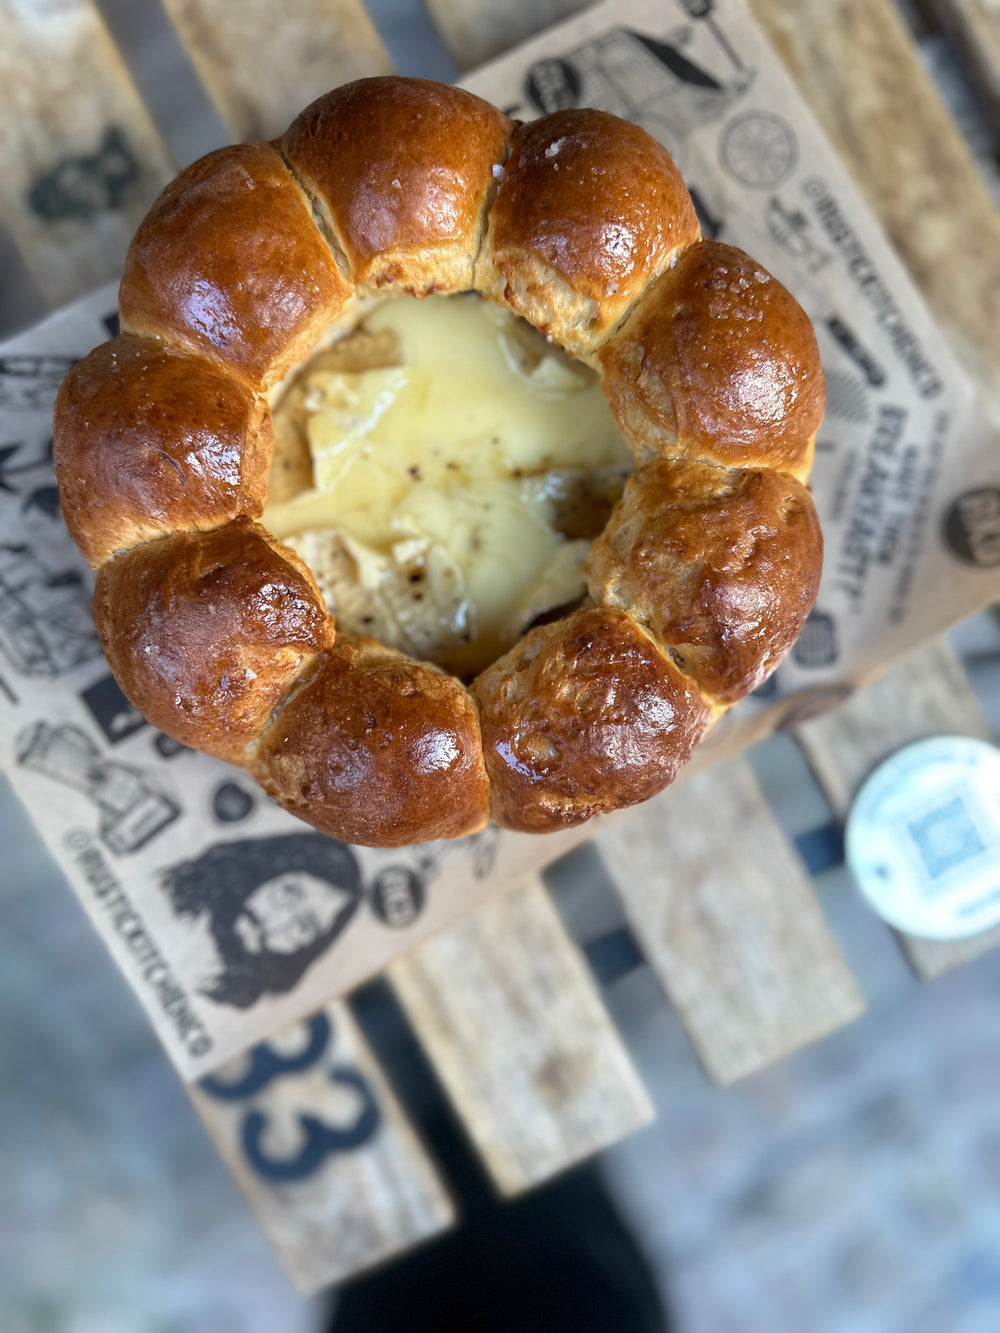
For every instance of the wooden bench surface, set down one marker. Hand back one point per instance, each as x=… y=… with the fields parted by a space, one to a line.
x=717 y=899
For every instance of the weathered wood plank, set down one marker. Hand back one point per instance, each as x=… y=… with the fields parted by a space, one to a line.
x=477 y=30
x=81 y=159
x=508 y=1012
x=724 y=914
x=261 y=65
x=324 y=1153
x=858 y=68
x=926 y=694
x=975 y=26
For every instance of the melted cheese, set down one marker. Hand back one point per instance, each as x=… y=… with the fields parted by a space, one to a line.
x=441 y=483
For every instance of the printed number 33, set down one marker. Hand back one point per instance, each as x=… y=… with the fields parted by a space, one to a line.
x=320 y=1140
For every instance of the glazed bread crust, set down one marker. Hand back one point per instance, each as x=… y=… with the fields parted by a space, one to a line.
x=589 y=211
x=206 y=631
x=722 y=565
x=153 y=440
x=377 y=749
x=408 y=216
x=229 y=263
x=579 y=222
x=718 y=361
x=582 y=717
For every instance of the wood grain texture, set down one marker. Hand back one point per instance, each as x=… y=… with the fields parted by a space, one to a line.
x=81 y=159
x=508 y=1012
x=262 y=64
x=927 y=694
x=477 y=30
x=975 y=26
x=724 y=914
x=362 y=1204
x=858 y=68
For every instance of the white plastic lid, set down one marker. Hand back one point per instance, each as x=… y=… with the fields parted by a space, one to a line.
x=923 y=838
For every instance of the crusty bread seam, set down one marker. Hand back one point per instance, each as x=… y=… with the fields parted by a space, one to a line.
x=483 y=222
x=595 y=347
x=800 y=473
x=714 y=705
x=164 y=535
x=321 y=216
x=303 y=677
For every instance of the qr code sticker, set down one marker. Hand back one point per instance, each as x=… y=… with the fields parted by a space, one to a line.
x=946 y=837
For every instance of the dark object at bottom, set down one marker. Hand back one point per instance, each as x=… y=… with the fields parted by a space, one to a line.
x=559 y=1259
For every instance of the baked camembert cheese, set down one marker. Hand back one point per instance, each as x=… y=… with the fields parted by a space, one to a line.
x=443 y=471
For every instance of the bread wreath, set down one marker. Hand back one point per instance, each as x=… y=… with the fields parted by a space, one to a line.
x=580 y=223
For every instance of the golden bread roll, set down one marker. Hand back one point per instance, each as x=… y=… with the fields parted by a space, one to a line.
x=590 y=209
x=722 y=565
x=582 y=717
x=409 y=216
x=718 y=361
x=247 y=266
x=229 y=262
x=206 y=631
x=139 y=455
x=377 y=749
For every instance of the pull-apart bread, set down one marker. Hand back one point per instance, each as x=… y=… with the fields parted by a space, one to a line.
x=505 y=550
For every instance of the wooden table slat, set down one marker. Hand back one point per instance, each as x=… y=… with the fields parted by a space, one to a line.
x=475 y=31
x=975 y=26
x=859 y=69
x=367 y=1189
x=81 y=160
x=725 y=916
x=927 y=694
x=261 y=64
x=506 y=1008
